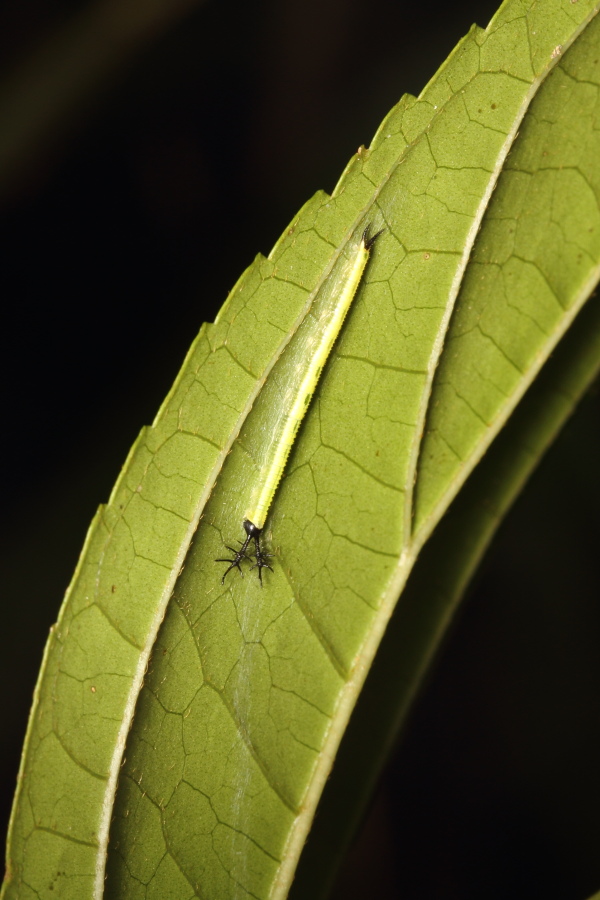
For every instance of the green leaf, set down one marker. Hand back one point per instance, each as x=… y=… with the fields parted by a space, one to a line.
x=198 y=722
x=432 y=593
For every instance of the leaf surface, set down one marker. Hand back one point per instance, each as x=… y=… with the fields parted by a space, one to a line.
x=432 y=593
x=237 y=696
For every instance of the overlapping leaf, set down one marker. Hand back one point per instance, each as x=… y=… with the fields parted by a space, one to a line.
x=247 y=691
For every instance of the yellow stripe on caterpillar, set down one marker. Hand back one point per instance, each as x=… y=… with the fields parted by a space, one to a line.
x=283 y=440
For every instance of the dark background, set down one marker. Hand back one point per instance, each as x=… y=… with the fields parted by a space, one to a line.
x=125 y=219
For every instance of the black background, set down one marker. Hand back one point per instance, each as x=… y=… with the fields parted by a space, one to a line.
x=122 y=229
